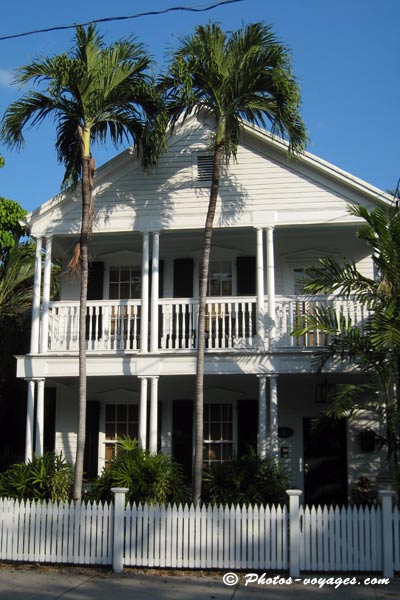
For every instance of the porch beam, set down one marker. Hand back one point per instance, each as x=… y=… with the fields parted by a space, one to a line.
x=154 y=293
x=37 y=279
x=143 y=413
x=44 y=335
x=153 y=415
x=271 y=283
x=260 y=286
x=144 y=320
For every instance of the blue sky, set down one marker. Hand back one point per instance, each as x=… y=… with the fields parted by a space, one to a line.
x=345 y=56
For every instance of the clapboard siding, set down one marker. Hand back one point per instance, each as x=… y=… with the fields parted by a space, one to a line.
x=66 y=423
x=260 y=180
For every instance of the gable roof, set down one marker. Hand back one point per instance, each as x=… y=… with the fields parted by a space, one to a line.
x=114 y=178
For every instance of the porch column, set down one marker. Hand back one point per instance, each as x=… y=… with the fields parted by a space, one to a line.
x=271 y=283
x=35 y=328
x=153 y=415
x=39 y=445
x=44 y=335
x=154 y=293
x=166 y=428
x=273 y=418
x=260 y=286
x=262 y=416
x=29 y=420
x=143 y=413
x=144 y=319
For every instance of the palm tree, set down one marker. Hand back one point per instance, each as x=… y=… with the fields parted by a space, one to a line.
x=375 y=348
x=16 y=282
x=241 y=76
x=92 y=93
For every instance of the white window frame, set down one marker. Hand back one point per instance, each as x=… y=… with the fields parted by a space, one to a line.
x=234 y=441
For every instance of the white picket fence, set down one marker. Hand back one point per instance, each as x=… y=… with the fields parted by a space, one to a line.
x=218 y=537
x=76 y=533
x=208 y=537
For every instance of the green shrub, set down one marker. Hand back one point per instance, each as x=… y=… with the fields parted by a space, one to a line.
x=154 y=478
x=49 y=477
x=363 y=492
x=245 y=480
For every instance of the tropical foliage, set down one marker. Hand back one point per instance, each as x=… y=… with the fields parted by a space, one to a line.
x=245 y=480
x=49 y=477
x=154 y=478
x=374 y=348
x=232 y=77
x=93 y=93
x=11 y=213
x=16 y=277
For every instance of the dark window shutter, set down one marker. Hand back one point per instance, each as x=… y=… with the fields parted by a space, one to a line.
x=49 y=433
x=95 y=282
x=247 y=425
x=182 y=434
x=246 y=275
x=183 y=278
x=92 y=440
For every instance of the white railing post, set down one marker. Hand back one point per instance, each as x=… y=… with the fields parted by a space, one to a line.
x=118 y=539
x=44 y=336
x=387 y=532
x=144 y=318
x=35 y=327
x=294 y=532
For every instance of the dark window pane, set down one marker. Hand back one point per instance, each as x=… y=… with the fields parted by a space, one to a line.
x=114 y=274
x=121 y=429
x=133 y=412
x=114 y=291
x=110 y=412
x=226 y=412
x=215 y=414
x=110 y=431
x=226 y=431
x=124 y=291
x=122 y=412
x=215 y=431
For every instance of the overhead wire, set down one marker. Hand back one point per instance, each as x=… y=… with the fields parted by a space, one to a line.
x=120 y=18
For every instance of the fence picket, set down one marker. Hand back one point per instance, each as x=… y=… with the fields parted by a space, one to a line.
x=223 y=537
x=163 y=547
x=193 y=535
x=238 y=538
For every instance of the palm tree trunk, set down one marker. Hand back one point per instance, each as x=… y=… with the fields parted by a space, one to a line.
x=199 y=402
x=84 y=271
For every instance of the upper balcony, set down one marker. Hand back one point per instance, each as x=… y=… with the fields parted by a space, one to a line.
x=232 y=324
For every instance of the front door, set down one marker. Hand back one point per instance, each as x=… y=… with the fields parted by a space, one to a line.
x=325 y=461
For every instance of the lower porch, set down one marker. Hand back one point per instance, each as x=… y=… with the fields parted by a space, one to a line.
x=276 y=416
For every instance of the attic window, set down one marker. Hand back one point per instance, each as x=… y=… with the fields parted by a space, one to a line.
x=204 y=167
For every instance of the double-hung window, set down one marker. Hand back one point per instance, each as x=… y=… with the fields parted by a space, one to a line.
x=120 y=420
x=218 y=433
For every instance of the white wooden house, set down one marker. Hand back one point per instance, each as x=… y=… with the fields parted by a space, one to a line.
x=275 y=217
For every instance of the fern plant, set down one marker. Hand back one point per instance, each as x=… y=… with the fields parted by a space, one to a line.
x=49 y=477
x=153 y=478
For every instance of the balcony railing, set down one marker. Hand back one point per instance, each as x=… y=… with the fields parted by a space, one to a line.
x=111 y=326
x=231 y=323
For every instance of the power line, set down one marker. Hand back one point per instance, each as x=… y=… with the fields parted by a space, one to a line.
x=108 y=19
